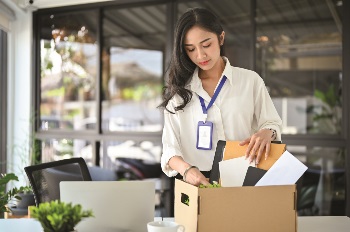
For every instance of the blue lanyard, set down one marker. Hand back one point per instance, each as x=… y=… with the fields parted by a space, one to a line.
x=216 y=93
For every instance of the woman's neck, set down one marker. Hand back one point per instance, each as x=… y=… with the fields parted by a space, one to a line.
x=213 y=73
x=210 y=78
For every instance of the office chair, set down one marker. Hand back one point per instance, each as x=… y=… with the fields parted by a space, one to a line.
x=45 y=178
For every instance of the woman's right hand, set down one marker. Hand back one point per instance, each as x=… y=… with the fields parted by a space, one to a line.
x=195 y=177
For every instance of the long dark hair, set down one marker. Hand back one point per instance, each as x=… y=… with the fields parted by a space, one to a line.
x=181 y=67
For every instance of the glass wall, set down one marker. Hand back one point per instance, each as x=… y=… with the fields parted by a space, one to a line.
x=81 y=95
x=58 y=149
x=133 y=68
x=142 y=158
x=299 y=55
x=323 y=184
x=68 y=71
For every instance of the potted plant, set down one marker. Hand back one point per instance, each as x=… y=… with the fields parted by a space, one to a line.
x=7 y=196
x=57 y=216
x=24 y=199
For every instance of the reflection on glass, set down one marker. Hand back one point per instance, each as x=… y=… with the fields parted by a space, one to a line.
x=142 y=157
x=133 y=68
x=322 y=189
x=134 y=89
x=68 y=71
x=299 y=56
x=58 y=149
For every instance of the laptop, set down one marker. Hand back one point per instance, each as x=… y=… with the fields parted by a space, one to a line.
x=118 y=206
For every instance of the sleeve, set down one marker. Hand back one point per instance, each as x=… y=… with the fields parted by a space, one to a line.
x=171 y=140
x=265 y=111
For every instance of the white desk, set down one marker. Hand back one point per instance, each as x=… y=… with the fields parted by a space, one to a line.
x=324 y=224
x=305 y=224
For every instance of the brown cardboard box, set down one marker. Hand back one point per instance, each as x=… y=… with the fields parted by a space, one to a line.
x=242 y=209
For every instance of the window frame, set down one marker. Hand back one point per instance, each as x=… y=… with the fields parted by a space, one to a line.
x=3 y=100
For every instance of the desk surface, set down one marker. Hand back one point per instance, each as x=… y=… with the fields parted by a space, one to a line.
x=305 y=224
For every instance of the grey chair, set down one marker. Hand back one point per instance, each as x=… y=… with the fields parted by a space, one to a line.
x=45 y=178
x=100 y=174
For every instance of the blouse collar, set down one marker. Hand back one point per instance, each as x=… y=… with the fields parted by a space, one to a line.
x=195 y=83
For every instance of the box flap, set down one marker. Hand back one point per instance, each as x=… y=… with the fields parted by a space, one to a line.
x=186 y=205
x=234 y=150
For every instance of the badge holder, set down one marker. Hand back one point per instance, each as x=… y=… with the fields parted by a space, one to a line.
x=204 y=135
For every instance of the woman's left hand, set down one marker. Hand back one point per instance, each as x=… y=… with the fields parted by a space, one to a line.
x=256 y=145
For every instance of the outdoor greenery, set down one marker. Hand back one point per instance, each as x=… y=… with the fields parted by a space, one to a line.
x=327 y=115
x=56 y=216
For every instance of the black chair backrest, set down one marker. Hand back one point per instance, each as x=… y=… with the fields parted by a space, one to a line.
x=45 y=178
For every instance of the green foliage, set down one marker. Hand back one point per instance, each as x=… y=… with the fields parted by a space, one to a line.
x=187 y=201
x=56 y=216
x=54 y=92
x=7 y=196
x=326 y=116
x=214 y=185
x=141 y=92
x=330 y=97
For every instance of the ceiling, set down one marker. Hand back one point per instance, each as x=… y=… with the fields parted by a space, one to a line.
x=40 y=4
x=298 y=21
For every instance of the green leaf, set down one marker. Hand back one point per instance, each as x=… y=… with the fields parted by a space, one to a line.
x=59 y=216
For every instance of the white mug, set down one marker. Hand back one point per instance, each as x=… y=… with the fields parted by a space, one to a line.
x=164 y=226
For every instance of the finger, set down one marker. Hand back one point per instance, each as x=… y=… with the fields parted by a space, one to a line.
x=267 y=152
x=260 y=152
x=249 y=148
x=244 y=142
x=205 y=182
x=254 y=151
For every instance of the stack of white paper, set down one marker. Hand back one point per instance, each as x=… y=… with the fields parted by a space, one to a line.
x=286 y=170
x=233 y=171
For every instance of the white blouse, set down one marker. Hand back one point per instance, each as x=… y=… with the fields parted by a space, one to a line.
x=242 y=108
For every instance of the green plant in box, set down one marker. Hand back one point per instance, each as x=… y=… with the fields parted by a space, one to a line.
x=56 y=216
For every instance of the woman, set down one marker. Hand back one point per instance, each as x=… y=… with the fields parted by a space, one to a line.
x=207 y=100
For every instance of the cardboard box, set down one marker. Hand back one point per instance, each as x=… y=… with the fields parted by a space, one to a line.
x=243 y=209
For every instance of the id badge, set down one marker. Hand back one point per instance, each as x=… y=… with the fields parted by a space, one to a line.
x=204 y=135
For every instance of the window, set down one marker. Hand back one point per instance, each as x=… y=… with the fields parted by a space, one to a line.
x=323 y=184
x=299 y=56
x=133 y=68
x=85 y=102
x=68 y=71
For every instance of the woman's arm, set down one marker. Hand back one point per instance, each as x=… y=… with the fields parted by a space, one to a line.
x=191 y=174
x=268 y=123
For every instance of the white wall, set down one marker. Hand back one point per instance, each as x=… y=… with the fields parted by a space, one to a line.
x=19 y=95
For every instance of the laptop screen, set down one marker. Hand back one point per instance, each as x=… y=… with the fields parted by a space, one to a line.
x=118 y=206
